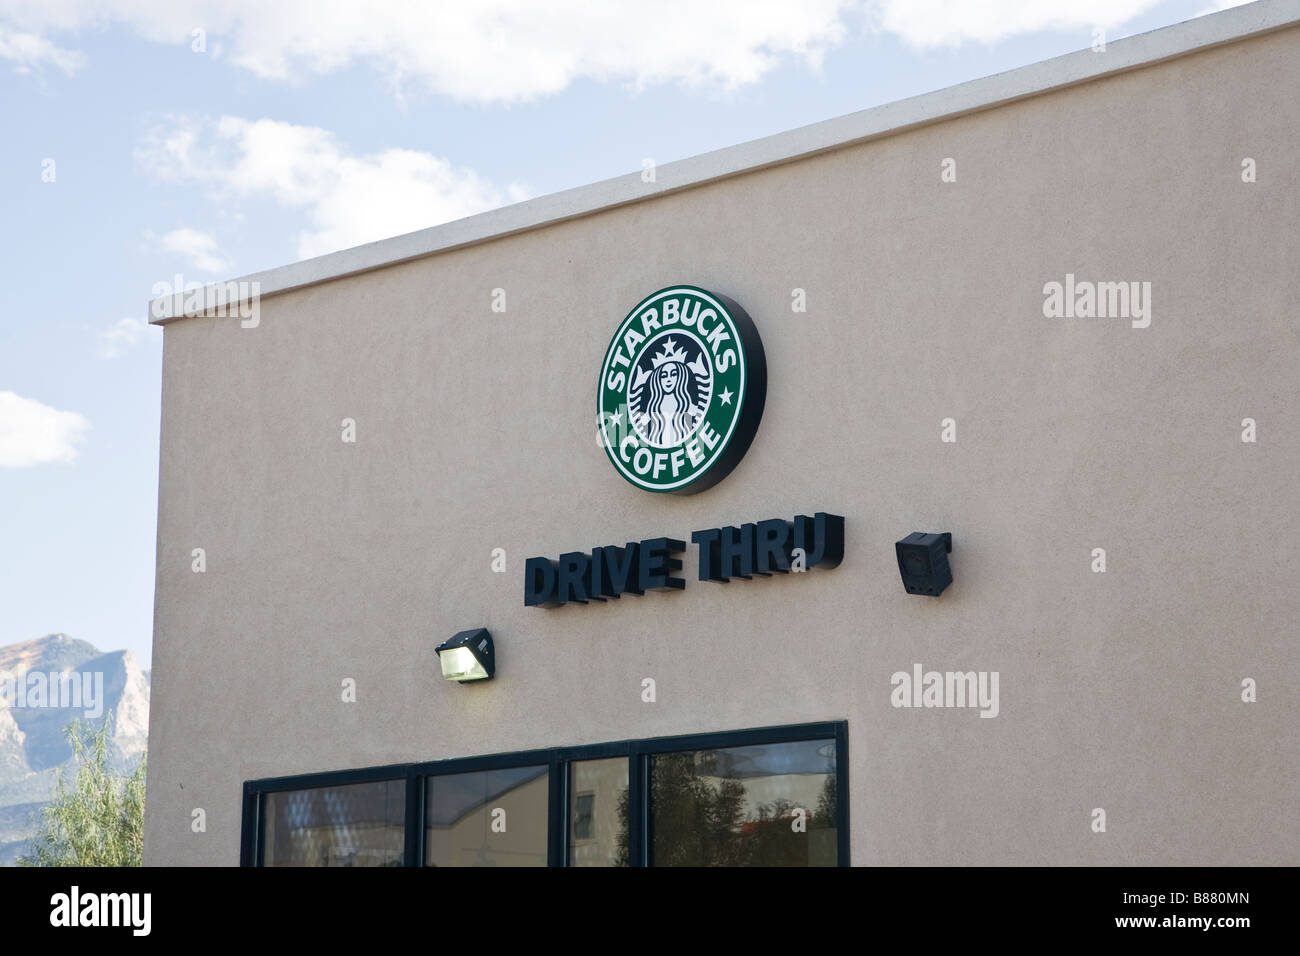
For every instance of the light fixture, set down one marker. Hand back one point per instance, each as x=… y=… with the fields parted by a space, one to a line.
x=923 y=562
x=468 y=656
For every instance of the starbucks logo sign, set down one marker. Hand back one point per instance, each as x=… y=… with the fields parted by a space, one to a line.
x=681 y=390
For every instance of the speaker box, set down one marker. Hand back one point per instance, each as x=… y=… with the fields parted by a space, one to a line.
x=923 y=562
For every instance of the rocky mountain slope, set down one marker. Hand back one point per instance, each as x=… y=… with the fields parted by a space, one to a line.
x=33 y=747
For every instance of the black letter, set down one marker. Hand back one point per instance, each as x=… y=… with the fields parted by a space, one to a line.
x=708 y=542
x=826 y=549
x=773 y=546
x=597 y=578
x=655 y=564
x=539 y=583
x=736 y=552
x=571 y=586
x=622 y=566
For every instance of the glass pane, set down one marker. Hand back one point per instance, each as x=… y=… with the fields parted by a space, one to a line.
x=763 y=805
x=359 y=824
x=598 y=812
x=487 y=818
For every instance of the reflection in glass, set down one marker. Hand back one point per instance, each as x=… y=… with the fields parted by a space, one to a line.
x=741 y=806
x=598 y=812
x=487 y=818
x=359 y=824
x=584 y=810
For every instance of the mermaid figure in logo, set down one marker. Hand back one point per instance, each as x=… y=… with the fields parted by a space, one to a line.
x=670 y=413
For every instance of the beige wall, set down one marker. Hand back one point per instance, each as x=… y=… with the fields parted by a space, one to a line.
x=475 y=431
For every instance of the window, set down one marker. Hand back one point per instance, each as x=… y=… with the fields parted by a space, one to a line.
x=598 y=812
x=487 y=818
x=761 y=805
x=360 y=824
x=776 y=796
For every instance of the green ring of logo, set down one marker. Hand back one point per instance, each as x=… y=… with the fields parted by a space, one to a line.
x=681 y=390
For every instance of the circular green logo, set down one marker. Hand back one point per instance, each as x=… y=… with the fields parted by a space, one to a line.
x=681 y=390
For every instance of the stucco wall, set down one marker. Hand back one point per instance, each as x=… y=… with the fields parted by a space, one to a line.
x=475 y=431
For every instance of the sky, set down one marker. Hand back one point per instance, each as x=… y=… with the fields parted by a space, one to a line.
x=150 y=139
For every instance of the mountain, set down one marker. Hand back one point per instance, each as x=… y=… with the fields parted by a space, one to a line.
x=34 y=709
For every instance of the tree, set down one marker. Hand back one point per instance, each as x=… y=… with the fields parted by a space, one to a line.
x=702 y=819
x=99 y=821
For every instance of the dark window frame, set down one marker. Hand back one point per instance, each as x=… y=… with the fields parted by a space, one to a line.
x=558 y=761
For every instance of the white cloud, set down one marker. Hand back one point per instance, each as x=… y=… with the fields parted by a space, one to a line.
x=28 y=51
x=33 y=434
x=932 y=23
x=199 y=248
x=487 y=51
x=1219 y=5
x=124 y=335
x=505 y=51
x=350 y=199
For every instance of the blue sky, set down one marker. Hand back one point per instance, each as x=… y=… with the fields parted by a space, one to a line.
x=295 y=131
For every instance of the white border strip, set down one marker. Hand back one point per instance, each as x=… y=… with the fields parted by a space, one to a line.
x=1122 y=55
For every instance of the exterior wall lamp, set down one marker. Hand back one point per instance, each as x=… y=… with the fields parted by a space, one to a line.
x=468 y=656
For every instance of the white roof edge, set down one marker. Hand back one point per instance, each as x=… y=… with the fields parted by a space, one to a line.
x=1130 y=53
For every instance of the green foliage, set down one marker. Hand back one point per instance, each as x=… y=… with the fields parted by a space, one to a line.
x=99 y=821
